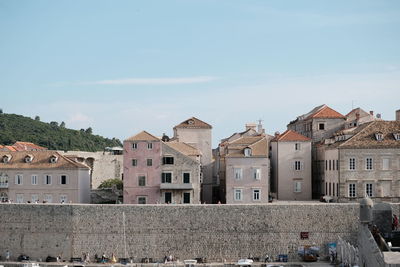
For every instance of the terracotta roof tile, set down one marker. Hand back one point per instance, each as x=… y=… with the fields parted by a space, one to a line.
x=40 y=160
x=326 y=112
x=26 y=146
x=289 y=136
x=184 y=148
x=143 y=136
x=365 y=138
x=193 y=123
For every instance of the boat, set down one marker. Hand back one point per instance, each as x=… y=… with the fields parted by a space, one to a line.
x=245 y=262
x=190 y=263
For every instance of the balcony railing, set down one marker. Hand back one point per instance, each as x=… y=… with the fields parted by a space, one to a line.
x=3 y=185
x=170 y=186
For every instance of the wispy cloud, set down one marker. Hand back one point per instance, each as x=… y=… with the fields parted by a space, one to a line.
x=154 y=81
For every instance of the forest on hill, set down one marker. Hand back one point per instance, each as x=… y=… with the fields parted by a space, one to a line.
x=53 y=135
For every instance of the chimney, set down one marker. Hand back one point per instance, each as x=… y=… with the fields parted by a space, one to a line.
x=260 y=129
x=251 y=126
x=371 y=112
x=277 y=134
x=398 y=115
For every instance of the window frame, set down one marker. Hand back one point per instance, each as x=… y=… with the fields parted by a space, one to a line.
x=183 y=177
x=369 y=164
x=134 y=146
x=352 y=164
x=138 y=200
x=238 y=192
x=47 y=181
x=297 y=146
x=149 y=146
x=149 y=162
x=256 y=194
x=34 y=179
x=352 y=190
x=164 y=178
x=238 y=173
x=369 y=189
x=256 y=173
x=19 y=179
x=61 y=179
x=167 y=160
x=297 y=186
x=140 y=179
x=183 y=197
x=134 y=162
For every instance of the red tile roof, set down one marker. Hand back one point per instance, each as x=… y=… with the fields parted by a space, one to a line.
x=26 y=146
x=143 y=136
x=289 y=136
x=326 y=112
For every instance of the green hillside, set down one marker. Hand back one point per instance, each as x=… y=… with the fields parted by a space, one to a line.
x=50 y=135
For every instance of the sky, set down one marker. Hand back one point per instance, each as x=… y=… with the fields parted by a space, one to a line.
x=121 y=67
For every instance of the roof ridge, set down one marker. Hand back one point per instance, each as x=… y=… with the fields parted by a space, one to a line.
x=366 y=127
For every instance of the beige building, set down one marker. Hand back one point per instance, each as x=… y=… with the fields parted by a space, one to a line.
x=364 y=160
x=244 y=167
x=291 y=166
x=42 y=176
x=197 y=133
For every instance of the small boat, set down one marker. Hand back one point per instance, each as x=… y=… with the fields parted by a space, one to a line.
x=189 y=262
x=245 y=262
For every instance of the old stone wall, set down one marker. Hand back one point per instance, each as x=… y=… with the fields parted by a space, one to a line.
x=216 y=232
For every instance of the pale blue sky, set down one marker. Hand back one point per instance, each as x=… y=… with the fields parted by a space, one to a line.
x=124 y=66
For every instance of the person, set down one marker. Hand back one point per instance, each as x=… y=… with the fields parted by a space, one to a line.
x=103 y=258
x=113 y=259
x=395 y=223
x=7 y=255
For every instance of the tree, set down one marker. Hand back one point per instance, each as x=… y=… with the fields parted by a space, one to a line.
x=62 y=124
x=109 y=183
x=37 y=118
x=1 y=111
x=54 y=123
x=89 y=130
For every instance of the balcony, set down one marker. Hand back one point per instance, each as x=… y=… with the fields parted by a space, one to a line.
x=170 y=186
x=4 y=185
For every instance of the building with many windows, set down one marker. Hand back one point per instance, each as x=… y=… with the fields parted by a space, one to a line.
x=42 y=176
x=291 y=166
x=244 y=167
x=363 y=160
x=157 y=171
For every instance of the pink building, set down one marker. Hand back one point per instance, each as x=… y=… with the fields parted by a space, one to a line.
x=160 y=172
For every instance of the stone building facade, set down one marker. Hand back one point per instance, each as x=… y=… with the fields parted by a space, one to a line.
x=291 y=166
x=245 y=167
x=364 y=160
x=198 y=134
x=160 y=172
x=38 y=176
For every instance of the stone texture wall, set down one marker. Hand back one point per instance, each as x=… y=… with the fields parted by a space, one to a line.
x=186 y=231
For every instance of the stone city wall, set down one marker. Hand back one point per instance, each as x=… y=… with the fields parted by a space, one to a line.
x=216 y=232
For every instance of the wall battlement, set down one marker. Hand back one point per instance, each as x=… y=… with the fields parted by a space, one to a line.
x=216 y=232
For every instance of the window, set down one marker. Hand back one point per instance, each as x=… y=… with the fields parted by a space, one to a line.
x=48 y=198
x=385 y=164
x=237 y=173
x=186 y=177
x=20 y=198
x=368 y=190
x=149 y=146
x=3 y=181
x=396 y=136
x=34 y=179
x=337 y=189
x=257 y=173
x=297 y=146
x=368 y=164
x=149 y=162
x=166 y=177
x=142 y=200
x=352 y=163
x=63 y=179
x=142 y=180
x=18 y=179
x=47 y=179
x=247 y=152
x=337 y=164
x=134 y=162
x=256 y=194
x=379 y=136
x=186 y=198
x=168 y=160
x=297 y=186
x=326 y=165
x=134 y=146
x=321 y=126
x=333 y=189
x=352 y=190
x=238 y=194
x=330 y=165
x=35 y=198
x=329 y=186
x=167 y=197
x=297 y=165
x=63 y=198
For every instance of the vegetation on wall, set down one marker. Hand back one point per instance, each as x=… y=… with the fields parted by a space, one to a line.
x=51 y=135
